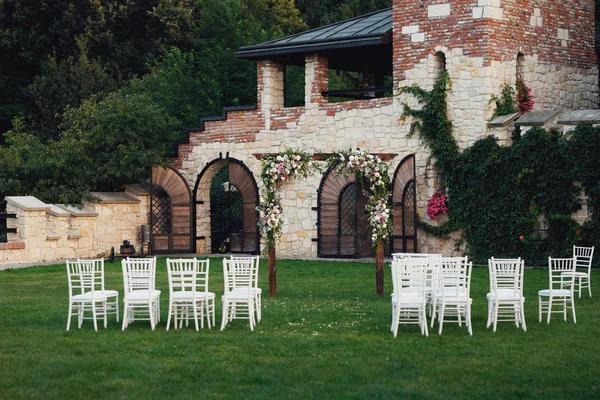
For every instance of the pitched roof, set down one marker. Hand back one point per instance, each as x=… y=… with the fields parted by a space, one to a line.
x=366 y=30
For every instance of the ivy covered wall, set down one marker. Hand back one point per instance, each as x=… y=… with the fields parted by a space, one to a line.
x=515 y=200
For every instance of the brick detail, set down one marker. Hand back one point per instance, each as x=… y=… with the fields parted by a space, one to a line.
x=318 y=77
x=13 y=246
x=497 y=39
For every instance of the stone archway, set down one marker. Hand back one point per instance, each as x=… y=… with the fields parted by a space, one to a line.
x=230 y=224
x=170 y=212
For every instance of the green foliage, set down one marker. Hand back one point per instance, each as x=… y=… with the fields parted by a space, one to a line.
x=512 y=200
x=182 y=87
x=322 y=12
x=432 y=124
x=507 y=102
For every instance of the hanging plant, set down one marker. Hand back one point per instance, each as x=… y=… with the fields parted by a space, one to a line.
x=524 y=97
x=372 y=172
x=436 y=205
x=276 y=170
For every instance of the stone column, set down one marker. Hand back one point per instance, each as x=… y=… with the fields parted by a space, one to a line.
x=316 y=80
x=271 y=85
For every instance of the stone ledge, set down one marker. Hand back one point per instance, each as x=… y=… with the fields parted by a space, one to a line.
x=114 y=198
x=78 y=212
x=137 y=189
x=28 y=203
x=13 y=246
x=503 y=120
x=52 y=236
x=73 y=235
x=57 y=211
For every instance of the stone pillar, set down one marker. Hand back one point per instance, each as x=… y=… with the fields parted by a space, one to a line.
x=316 y=79
x=271 y=91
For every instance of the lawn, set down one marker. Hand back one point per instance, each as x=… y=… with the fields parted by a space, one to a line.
x=325 y=335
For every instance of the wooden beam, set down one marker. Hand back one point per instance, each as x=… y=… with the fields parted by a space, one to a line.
x=325 y=156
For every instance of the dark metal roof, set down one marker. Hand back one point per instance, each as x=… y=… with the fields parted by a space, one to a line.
x=367 y=30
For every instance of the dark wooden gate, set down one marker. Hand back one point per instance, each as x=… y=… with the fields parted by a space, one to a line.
x=343 y=223
x=404 y=206
x=170 y=216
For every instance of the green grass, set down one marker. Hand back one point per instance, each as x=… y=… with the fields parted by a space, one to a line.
x=325 y=335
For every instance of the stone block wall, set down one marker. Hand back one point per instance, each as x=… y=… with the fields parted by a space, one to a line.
x=48 y=232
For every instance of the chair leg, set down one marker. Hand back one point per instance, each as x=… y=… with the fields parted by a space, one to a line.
x=170 y=314
x=94 y=316
x=224 y=317
x=433 y=310
x=495 y=317
x=152 y=315
x=522 y=314
x=441 y=318
x=196 y=317
x=468 y=320
x=69 y=316
x=489 y=318
x=125 y=311
x=540 y=308
x=549 y=309
x=573 y=310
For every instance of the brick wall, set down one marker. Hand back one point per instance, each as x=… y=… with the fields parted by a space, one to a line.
x=495 y=30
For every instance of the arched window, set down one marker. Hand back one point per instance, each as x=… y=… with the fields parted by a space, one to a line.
x=520 y=67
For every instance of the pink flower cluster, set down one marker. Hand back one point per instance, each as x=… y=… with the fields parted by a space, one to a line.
x=524 y=97
x=437 y=205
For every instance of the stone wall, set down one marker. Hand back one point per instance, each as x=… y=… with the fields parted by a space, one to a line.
x=49 y=232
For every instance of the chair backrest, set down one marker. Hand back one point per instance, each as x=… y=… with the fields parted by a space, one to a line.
x=182 y=274
x=238 y=275
x=409 y=277
x=583 y=258
x=256 y=264
x=506 y=274
x=93 y=264
x=455 y=276
x=83 y=278
x=139 y=274
x=188 y=275
x=556 y=268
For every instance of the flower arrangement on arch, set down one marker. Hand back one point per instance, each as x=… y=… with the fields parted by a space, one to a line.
x=524 y=97
x=436 y=205
x=276 y=170
x=373 y=173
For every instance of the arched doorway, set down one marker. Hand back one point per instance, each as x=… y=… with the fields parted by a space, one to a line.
x=343 y=223
x=225 y=215
x=404 y=207
x=170 y=212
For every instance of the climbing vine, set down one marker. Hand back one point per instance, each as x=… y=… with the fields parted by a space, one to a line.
x=512 y=200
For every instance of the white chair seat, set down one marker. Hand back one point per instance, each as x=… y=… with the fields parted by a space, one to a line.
x=412 y=300
x=87 y=297
x=188 y=295
x=110 y=293
x=578 y=274
x=142 y=295
x=555 y=292
x=505 y=295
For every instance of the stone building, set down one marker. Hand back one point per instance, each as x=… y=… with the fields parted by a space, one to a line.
x=206 y=202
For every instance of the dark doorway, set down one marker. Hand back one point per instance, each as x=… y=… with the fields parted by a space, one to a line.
x=404 y=207
x=344 y=229
x=226 y=214
x=226 y=198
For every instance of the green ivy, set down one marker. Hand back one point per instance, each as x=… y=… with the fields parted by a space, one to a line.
x=512 y=200
x=507 y=102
